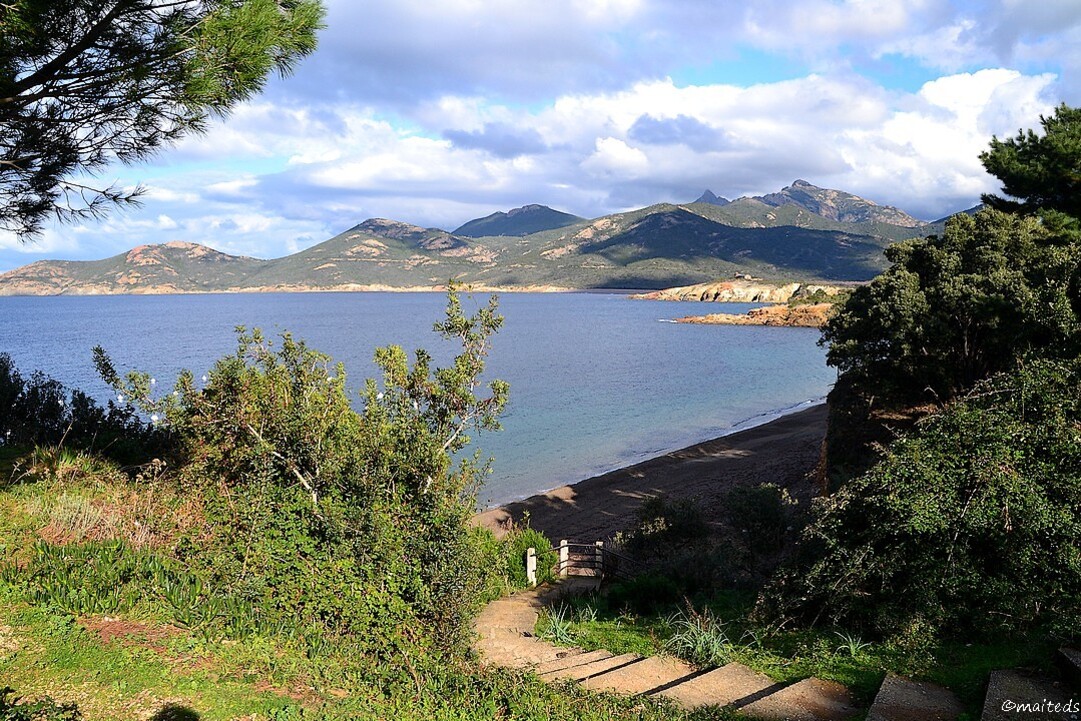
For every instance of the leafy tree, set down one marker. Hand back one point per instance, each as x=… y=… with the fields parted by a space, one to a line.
x=87 y=82
x=954 y=309
x=1042 y=172
x=970 y=525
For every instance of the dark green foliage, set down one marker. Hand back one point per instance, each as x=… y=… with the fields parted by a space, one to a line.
x=953 y=309
x=41 y=411
x=1043 y=172
x=970 y=525
x=13 y=708
x=645 y=594
x=762 y=515
x=84 y=83
x=663 y=525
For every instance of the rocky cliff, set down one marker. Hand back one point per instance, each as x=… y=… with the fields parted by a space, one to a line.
x=739 y=291
x=791 y=316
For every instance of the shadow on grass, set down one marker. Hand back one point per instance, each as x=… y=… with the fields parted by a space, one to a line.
x=172 y=712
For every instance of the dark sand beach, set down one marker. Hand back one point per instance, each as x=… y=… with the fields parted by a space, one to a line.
x=784 y=452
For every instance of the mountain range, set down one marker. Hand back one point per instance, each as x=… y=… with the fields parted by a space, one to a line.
x=802 y=232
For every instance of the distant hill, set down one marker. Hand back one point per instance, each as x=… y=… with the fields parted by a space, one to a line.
x=659 y=246
x=967 y=211
x=526 y=220
x=174 y=267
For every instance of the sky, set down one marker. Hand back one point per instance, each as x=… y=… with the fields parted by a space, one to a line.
x=435 y=113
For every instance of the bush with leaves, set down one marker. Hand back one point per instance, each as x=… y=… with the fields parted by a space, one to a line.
x=954 y=309
x=349 y=522
x=38 y=410
x=971 y=524
x=518 y=542
x=663 y=525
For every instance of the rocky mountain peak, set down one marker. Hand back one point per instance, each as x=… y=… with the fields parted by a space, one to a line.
x=838 y=205
x=713 y=199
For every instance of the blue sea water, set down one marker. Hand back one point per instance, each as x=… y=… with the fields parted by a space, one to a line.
x=598 y=381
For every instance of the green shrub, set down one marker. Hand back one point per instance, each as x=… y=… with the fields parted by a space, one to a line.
x=971 y=524
x=663 y=525
x=762 y=515
x=353 y=523
x=518 y=541
x=38 y=410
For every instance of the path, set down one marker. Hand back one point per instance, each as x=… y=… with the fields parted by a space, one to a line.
x=505 y=638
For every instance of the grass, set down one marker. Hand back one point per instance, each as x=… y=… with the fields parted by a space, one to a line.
x=717 y=632
x=136 y=660
x=47 y=653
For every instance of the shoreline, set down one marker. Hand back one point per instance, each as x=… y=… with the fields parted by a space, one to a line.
x=784 y=450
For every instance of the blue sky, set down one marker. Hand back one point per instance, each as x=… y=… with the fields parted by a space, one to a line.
x=436 y=113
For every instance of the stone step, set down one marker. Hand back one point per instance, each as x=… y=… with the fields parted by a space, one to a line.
x=812 y=699
x=901 y=699
x=1019 y=695
x=577 y=657
x=578 y=673
x=731 y=685
x=523 y=653
x=1069 y=660
x=651 y=673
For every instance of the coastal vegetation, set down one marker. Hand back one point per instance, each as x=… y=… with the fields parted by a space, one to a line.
x=946 y=543
x=256 y=543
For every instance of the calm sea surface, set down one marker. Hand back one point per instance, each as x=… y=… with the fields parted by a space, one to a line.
x=598 y=381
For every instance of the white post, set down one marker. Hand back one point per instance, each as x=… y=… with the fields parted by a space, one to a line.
x=564 y=558
x=599 y=564
x=531 y=566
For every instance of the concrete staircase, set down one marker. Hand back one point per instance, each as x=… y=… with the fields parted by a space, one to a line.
x=505 y=638
x=1015 y=694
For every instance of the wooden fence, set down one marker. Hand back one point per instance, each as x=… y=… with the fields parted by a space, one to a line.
x=583 y=559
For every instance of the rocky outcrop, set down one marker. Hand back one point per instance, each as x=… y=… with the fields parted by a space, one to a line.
x=791 y=316
x=839 y=205
x=740 y=291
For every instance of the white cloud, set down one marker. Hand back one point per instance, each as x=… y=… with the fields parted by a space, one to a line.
x=435 y=113
x=613 y=157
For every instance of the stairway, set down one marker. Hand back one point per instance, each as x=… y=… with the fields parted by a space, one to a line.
x=505 y=638
x=1047 y=698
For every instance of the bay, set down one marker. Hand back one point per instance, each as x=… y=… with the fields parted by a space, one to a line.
x=598 y=381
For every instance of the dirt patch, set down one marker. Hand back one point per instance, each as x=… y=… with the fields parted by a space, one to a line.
x=130 y=633
x=298 y=694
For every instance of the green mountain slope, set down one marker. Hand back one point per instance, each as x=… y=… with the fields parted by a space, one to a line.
x=839 y=205
x=526 y=220
x=377 y=252
x=655 y=247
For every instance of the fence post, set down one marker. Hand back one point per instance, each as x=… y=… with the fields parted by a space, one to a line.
x=564 y=558
x=599 y=565
x=531 y=566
